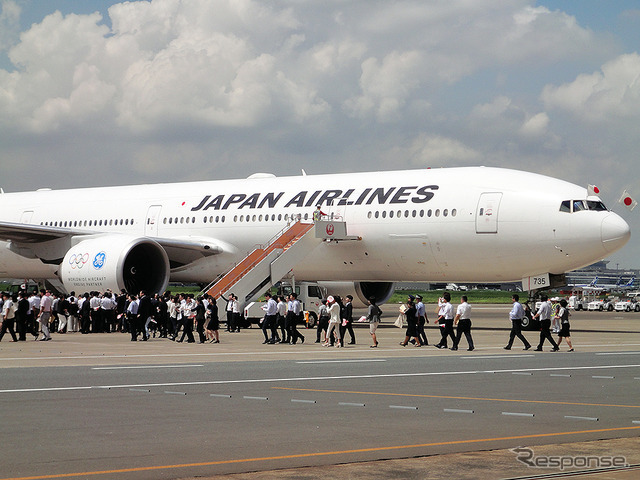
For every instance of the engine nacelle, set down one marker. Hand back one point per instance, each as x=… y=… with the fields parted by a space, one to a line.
x=361 y=291
x=115 y=262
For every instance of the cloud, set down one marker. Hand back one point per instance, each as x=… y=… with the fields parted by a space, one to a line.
x=612 y=93
x=9 y=23
x=224 y=85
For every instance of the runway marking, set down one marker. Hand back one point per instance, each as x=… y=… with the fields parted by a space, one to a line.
x=297 y=400
x=619 y=353
x=574 y=417
x=457 y=410
x=451 y=397
x=145 y=366
x=307 y=379
x=318 y=454
x=256 y=398
x=341 y=361
x=505 y=356
x=517 y=414
x=403 y=407
x=349 y=404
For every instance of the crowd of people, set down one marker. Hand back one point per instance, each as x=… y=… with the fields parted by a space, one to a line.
x=166 y=316
x=175 y=316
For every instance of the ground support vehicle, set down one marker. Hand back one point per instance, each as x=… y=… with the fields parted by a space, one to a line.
x=309 y=294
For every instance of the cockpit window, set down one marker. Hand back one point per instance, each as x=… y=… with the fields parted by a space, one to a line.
x=596 y=205
x=569 y=206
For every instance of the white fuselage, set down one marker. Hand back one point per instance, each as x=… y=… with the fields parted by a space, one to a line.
x=471 y=224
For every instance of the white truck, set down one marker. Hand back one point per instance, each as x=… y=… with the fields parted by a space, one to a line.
x=310 y=294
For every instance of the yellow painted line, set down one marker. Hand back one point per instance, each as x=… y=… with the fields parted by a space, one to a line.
x=456 y=398
x=317 y=454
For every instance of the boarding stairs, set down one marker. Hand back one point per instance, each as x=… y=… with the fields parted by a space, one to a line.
x=268 y=264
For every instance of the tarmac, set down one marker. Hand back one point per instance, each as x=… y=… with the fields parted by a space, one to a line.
x=591 y=331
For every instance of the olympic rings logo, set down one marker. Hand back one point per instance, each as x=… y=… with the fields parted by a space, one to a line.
x=78 y=260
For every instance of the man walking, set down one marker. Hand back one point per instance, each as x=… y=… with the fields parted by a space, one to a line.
x=463 y=321
x=45 y=314
x=515 y=315
x=544 y=314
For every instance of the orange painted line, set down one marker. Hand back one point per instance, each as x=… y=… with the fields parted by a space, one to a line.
x=317 y=454
x=457 y=398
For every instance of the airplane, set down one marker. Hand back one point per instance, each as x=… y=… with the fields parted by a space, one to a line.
x=630 y=285
x=592 y=284
x=463 y=224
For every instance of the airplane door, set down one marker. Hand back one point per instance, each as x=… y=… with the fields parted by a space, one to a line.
x=487 y=212
x=26 y=216
x=151 y=223
x=335 y=211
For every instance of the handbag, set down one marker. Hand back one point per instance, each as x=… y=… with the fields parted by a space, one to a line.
x=399 y=321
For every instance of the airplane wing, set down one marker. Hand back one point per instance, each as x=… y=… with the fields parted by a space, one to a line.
x=181 y=251
x=27 y=234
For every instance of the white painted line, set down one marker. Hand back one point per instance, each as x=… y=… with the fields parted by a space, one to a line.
x=403 y=407
x=593 y=419
x=295 y=400
x=324 y=377
x=456 y=410
x=255 y=398
x=175 y=393
x=635 y=421
x=506 y=355
x=559 y=374
x=349 y=404
x=145 y=366
x=521 y=373
x=514 y=414
x=341 y=361
x=601 y=376
x=619 y=353
x=219 y=396
x=139 y=390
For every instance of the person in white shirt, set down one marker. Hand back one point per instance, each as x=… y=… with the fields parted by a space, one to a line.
x=334 y=322
x=515 y=315
x=463 y=321
x=45 y=314
x=544 y=314
x=8 y=316
x=280 y=319
x=445 y=320
x=269 y=321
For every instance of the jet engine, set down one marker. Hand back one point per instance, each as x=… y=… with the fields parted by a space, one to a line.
x=115 y=262
x=361 y=291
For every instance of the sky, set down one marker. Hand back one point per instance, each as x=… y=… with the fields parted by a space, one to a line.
x=97 y=92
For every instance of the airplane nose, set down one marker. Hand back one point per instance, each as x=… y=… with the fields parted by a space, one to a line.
x=615 y=233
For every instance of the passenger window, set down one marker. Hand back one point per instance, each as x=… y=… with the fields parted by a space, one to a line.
x=565 y=206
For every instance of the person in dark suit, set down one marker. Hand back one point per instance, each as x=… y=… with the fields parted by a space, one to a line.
x=145 y=310
x=21 y=316
x=347 y=324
